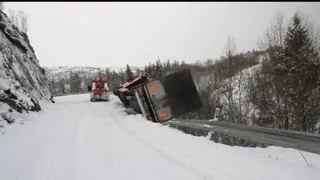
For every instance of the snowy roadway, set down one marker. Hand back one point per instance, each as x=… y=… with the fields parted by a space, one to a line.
x=75 y=139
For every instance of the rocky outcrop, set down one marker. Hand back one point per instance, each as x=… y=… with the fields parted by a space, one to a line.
x=24 y=86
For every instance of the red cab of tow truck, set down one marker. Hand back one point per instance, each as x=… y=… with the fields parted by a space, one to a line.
x=99 y=89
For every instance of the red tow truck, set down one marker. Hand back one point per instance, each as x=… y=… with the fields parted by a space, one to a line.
x=99 y=89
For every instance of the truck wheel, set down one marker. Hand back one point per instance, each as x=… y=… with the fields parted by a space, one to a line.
x=123 y=99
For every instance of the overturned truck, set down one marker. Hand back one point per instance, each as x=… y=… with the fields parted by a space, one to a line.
x=161 y=99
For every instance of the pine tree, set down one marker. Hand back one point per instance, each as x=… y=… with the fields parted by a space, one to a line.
x=86 y=83
x=175 y=65
x=184 y=64
x=62 y=86
x=149 y=71
x=138 y=72
x=153 y=70
x=158 y=69
x=299 y=71
x=53 y=86
x=116 y=79
x=145 y=71
x=122 y=78
x=75 y=83
x=108 y=73
x=129 y=73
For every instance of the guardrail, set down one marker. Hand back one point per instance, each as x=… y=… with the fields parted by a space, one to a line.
x=288 y=139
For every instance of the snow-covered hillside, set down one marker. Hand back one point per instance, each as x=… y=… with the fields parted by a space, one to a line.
x=240 y=86
x=102 y=142
x=23 y=84
x=207 y=78
x=233 y=94
x=63 y=72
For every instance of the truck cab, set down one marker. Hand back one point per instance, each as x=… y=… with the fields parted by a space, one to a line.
x=99 y=89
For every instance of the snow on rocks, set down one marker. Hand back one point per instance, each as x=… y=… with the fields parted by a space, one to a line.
x=23 y=82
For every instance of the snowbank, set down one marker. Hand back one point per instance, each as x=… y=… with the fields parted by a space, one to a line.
x=218 y=161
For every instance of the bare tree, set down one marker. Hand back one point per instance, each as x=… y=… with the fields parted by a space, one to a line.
x=244 y=92
x=19 y=19
x=274 y=35
x=230 y=51
x=23 y=21
x=273 y=44
x=13 y=17
x=235 y=91
x=227 y=85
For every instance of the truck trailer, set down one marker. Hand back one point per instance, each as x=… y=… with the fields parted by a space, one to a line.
x=162 y=99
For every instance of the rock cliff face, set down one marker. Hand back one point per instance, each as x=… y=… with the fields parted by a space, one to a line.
x=23 y=83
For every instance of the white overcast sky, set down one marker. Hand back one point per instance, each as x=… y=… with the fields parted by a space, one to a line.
x=120 y=33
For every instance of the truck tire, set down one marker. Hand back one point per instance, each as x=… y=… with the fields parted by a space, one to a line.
x=135 y=105
x=123 y=99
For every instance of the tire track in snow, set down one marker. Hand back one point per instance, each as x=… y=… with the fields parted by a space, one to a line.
x=29 y=158
x=68 y=157
x=165 y=155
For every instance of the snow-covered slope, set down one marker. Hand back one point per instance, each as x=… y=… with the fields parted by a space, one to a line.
x=240 y=86
x=233 y=94
x=205 y=79
x=63 y=72
x=23 y=84
x=102 y=142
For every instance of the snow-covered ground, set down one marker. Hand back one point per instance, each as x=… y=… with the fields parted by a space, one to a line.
x=78 y=139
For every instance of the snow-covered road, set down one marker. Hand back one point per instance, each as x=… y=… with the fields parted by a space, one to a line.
x=75 y=139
